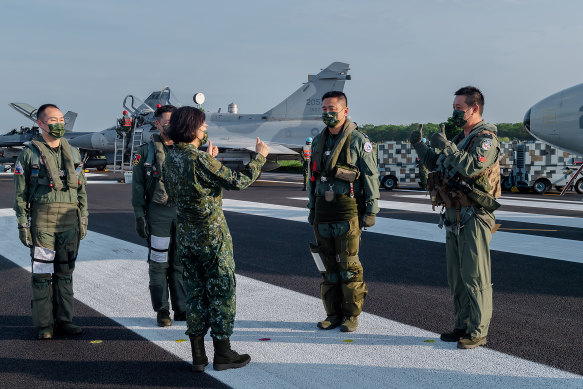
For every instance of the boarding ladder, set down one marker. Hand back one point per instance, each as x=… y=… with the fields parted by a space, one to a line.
x=118 y=152
x=137 y=140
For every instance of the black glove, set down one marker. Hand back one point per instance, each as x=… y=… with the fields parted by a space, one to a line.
x=142 y=227
x=439 y=141
x=368 y=220
x=311 y=217
x=84 y=222
x=416 y=135
x=24 y=235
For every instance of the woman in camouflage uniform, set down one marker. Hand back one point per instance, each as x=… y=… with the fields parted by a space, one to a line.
x=194 y=181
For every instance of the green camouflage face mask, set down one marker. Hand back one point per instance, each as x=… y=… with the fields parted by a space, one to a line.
x=204 y=139
x=330 y=119
x=57 y=130
x=457 y=118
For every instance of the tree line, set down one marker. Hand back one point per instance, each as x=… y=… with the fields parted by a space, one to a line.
x=507 y=132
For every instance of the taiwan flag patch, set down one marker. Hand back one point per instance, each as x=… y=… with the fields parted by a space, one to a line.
x=481 y=158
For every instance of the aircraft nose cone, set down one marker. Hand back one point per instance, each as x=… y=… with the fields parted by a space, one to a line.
x=526 y=121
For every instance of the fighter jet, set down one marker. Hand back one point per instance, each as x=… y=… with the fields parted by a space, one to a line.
x=286 y=125
x=282 y=128
x=558 y=120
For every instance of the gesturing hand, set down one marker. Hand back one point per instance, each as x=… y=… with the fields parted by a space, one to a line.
x=212 y=150
x=261 y=148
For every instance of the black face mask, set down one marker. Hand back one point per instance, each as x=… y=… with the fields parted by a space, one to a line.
x=457 y=118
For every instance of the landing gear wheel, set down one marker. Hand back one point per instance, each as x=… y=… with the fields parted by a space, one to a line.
x=389 y=182
x=541 y=186
x=101 y=168
x=579 y=186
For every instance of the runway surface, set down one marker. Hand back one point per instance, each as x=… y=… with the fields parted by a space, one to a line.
x=535 y=337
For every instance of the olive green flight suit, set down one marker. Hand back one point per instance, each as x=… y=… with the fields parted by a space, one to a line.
x=54 y=209
x=336 y=224
x=149 y=199
x=468 y=254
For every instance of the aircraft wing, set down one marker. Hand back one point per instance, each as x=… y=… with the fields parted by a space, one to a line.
x=28 y=111
x=244 y=143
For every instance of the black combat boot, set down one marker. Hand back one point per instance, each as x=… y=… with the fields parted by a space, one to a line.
x=225 y=358
x=199 y=358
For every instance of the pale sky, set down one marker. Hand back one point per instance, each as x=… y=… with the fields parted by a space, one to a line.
x=407 y=58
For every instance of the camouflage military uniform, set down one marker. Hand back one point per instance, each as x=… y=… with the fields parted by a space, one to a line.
x=336 y=223
x=468 y=251
x=194 y=182
x=149 y=199
x=50 y=191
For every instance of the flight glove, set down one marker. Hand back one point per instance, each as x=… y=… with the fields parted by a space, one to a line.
x=439 y=141
x=368 y=220
x=84 y=222
x=416 y=135
x=142 y=227
x=24 y=235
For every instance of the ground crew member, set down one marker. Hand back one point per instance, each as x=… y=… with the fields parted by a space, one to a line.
x=305 y=155
x=51 y=211
x=343 y=193
x=125 y=124
x=156 y=222
x=194 y=181
x=465 y=179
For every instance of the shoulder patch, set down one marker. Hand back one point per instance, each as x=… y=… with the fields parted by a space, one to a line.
x=137 y=158
x=481 y=158
x=368 y=147
x=18 y=168
x=214 y=165
x=486 y=144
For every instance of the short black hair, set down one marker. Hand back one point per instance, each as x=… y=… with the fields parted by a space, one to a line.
x=163 y=109
x=41 y=110
x=473 y=96
x=336 y=93
x=184 y=123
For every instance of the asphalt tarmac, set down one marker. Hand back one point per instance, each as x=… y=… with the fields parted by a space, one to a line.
x=538 y=310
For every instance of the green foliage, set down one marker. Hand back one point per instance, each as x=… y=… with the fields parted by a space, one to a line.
x=394 y=132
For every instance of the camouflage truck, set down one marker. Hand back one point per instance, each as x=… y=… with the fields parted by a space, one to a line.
x=527 y=166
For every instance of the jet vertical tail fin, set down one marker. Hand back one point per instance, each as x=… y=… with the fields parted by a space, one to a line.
x=70 y=118
x=306 y=101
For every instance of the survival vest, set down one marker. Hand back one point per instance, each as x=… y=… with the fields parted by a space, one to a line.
x=57 y=180
x=155 y=190
x=459 y=191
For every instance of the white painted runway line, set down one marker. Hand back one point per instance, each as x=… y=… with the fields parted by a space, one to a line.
x=522 y=217
x=512 y=243
x=522 y=202
x=277 y=328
